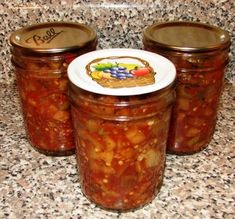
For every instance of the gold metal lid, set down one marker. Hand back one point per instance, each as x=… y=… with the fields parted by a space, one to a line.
x=53 y=37
x=186 y=36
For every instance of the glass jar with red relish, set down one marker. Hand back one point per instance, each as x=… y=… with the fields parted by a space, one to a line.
x=200 y=53
x=121 y=102
x=41 y=54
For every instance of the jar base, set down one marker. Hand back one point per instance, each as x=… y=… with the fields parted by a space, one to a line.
x=118 y=210
x=186 y=153
x=55 y=153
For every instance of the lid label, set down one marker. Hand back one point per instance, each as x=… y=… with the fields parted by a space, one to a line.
x=121 y=71
x=45 y=38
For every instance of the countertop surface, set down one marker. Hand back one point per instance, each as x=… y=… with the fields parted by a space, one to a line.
x=200 y=186
x=36 y=186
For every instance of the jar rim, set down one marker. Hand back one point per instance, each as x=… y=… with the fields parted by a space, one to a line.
x=140 y=99
x=80 y=98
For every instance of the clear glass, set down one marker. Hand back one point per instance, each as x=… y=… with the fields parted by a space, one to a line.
x=200 y=78
x=43 y=86
x=121 y=143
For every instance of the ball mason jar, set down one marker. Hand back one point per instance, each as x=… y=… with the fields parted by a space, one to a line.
x=200 y=53
x=121 y=132
x=40 y=55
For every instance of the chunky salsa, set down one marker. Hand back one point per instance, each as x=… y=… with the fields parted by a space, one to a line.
x=121 y=143
x=200 y=53
x=198 y=90
x=43 y=86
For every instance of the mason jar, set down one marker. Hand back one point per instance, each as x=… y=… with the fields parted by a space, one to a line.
x=121 y=124
x=200 y=53
x=40 y=55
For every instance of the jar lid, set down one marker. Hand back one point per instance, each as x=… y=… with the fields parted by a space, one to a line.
x=121 y=72
x=53 y=37
x=186 y=36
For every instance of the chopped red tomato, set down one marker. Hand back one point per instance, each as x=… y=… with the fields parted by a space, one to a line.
x=194 y=113
x=121 y=153
x=46 y=109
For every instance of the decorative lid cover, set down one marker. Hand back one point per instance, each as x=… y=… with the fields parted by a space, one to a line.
x=121 y=72
x=53 y=37
x=186 y=36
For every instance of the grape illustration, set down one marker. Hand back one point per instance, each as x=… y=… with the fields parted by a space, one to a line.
x=119 y=71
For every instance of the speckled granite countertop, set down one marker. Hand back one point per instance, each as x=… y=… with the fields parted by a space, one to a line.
x=36 y=186
x=33 y=186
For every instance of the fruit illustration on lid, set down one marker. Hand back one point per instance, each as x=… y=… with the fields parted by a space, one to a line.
x=123 y=71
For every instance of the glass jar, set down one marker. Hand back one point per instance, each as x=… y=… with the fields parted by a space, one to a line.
x=120 y=138
x=200 y=54
x=41 y=54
